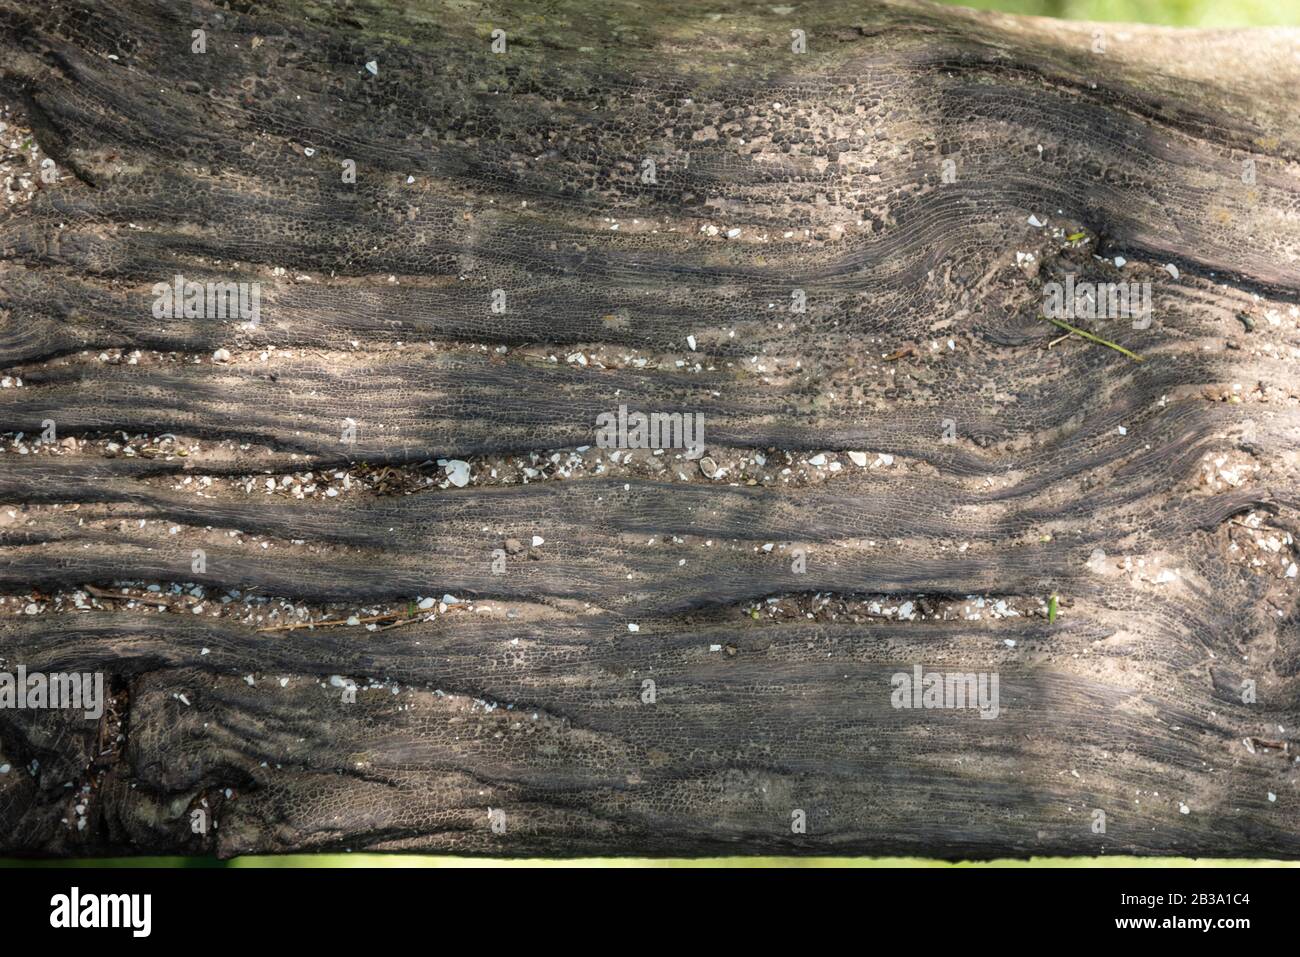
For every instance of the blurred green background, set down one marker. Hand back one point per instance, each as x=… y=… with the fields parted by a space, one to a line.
x=1177 y=13
x=1187 y=13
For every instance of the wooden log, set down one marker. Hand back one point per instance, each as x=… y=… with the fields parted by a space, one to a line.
x=360 y=573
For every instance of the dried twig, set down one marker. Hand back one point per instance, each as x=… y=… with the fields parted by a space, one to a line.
x=399 y=624
x=1274 y=745
x=333 y=622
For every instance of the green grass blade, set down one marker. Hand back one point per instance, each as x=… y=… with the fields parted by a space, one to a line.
x=1097 y=339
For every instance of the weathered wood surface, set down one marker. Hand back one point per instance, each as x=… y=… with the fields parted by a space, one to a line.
x=1158 y=499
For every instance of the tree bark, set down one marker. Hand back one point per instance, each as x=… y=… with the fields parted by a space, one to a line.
x=651 y=190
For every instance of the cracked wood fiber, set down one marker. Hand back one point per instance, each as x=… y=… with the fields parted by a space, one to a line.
x=1158 y=500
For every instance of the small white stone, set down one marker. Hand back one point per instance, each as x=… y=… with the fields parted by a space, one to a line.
x=373 y=67
x=1034 y=221
x=858 y=458
x=457 y=472
x=426 y=604
x=221 y=355
x=632 y=627
x=1119 y=262
x=690 y=341
x=538 y=541
x=1171 y=269
x=819 y=459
